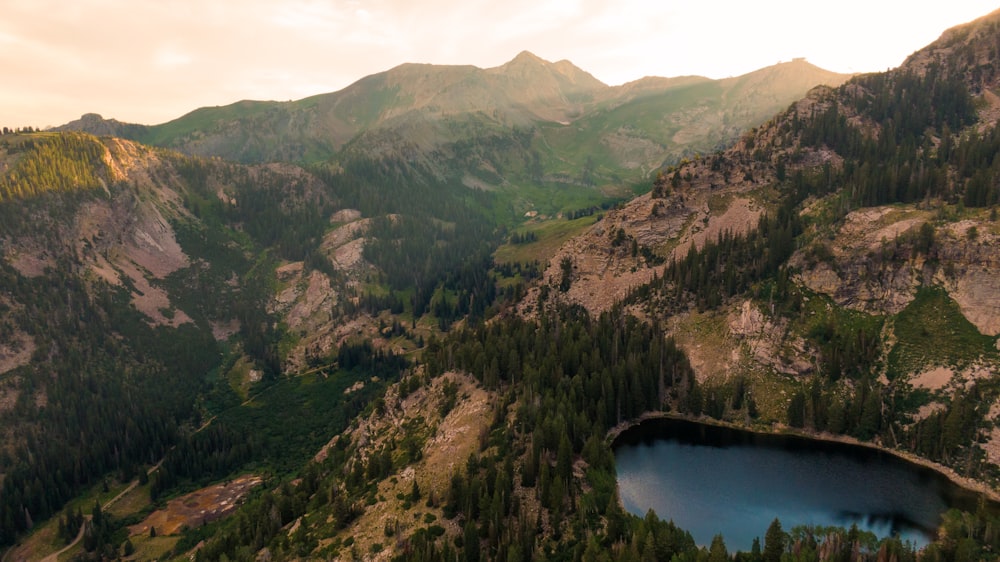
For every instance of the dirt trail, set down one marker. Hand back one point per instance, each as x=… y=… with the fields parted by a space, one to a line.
x=54 y=557
x=7 y=557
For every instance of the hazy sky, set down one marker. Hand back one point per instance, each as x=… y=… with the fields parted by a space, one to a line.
x=150 y=61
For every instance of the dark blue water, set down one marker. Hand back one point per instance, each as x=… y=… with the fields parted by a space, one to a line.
x=712 y=480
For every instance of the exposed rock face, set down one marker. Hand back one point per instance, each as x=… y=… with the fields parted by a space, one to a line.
x=605 y=268
x=306 y=303
x=314 y=306
x=308 y=300
x=124 y=238
x=971 y=271
x=96 y=125
x=769 y=342
x=346 y=215
x=129 y=235
x=977 y=292
x=875 y=266
x=345 y=245
x=124 y=233
x=602 y=272
x=861 y=271
x=452 y=438
x=739 y=217
x=864 y=286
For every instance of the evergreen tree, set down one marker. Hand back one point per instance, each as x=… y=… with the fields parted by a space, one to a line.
x=755 y=553
x=717 y=551
x=470 y=542
x=774 y=542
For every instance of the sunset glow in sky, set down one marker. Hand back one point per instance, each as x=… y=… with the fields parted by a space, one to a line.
x=150 y=61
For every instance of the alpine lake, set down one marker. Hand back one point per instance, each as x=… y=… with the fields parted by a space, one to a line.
x=711 y=479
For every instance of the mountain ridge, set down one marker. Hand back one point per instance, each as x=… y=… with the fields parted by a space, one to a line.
x=443 y=108
x=523 y=65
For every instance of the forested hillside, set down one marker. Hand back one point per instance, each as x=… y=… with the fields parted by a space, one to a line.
x=111 y=297
x=37 y=163
x=139 y=312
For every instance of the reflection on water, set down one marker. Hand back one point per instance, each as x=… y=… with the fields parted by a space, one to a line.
x=712 y=480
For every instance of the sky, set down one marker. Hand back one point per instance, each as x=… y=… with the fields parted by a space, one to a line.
x=150 y=61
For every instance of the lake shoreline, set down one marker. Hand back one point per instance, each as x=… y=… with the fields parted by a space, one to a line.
x=965 y=482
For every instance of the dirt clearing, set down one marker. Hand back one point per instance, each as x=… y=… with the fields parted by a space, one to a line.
x=198 y=507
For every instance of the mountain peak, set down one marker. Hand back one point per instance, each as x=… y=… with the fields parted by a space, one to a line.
x=525 y=61
x=528 y=66
x=528 y=57
x=95 y=124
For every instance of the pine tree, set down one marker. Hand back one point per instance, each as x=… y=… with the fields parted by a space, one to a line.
x=470 y=540
x=717 y=552
x=774 y=542
x=415 y=492
x=755 y=554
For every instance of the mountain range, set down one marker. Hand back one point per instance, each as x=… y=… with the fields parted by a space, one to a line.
x=353 y=302
x=525 y=123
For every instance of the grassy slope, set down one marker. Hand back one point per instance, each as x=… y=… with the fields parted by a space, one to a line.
x=205 y=119
x=933 y=331
x=551 y=235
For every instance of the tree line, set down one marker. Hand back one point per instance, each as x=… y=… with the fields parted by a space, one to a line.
x=53 y=162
